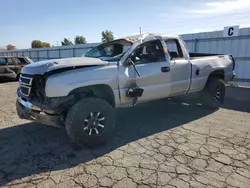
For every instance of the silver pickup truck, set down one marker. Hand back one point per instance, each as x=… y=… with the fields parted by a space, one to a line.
x=81 y=93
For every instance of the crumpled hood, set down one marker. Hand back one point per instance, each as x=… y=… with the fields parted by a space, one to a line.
x=42 y=67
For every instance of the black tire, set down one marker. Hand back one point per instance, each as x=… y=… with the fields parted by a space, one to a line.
x=78 y=115
x=213 y=94
x=17 y=77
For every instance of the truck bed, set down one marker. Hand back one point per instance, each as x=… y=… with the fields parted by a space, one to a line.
x=203 y=55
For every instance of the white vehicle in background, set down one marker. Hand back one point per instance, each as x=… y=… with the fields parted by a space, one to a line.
x=81 y=93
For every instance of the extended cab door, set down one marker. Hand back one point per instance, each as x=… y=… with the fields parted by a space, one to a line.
x=155 y=71
x=180 y=66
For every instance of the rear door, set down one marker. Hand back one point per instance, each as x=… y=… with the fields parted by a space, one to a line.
x=180 y=67
x=2 y=65
x=20 y=63
x=10 y=69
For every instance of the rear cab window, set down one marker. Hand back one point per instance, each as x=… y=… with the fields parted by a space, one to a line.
x=174 y=48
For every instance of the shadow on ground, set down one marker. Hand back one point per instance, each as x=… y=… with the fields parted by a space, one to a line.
x=6 y=80
x=31 y=148
x=237 y=98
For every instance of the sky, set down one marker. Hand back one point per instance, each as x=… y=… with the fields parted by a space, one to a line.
x=51 y=20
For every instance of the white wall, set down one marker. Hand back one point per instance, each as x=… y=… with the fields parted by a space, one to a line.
x=39 y=54
x=214 y=42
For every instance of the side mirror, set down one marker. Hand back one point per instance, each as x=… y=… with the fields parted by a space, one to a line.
x=135 y=92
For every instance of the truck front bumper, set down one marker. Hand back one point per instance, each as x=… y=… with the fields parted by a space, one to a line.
x=27 y=110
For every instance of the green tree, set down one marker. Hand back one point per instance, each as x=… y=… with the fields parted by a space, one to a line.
x=11 y=47
x=46 y=45
x=80 y=40
x=39 y=44
x=107 y=36
x=66 y=42
x=36 y=44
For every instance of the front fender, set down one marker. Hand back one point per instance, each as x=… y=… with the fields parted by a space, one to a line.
x=62 y=84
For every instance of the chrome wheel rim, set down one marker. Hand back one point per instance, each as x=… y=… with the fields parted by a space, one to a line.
x=217 y=96
x=94 y=123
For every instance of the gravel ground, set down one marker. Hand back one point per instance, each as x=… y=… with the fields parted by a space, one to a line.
x=167 y=143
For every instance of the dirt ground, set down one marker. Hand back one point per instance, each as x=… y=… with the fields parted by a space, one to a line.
x=167 y=143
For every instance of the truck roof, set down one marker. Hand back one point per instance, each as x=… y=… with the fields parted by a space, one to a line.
x=142 y=37
x=151 y=36
x=13 y=57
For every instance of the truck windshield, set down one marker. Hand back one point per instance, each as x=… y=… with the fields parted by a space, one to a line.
x=94 y=52
x=109 y=52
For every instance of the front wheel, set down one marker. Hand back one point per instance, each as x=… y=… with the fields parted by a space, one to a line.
x=213 y=94
x=90 y=121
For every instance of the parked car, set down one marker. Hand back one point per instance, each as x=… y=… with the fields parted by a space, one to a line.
x=10 y=66
x=81 y=93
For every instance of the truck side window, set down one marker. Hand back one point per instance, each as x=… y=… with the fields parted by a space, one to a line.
x=22 y=61
x=9 y=61
x=174 y=48
x=150 y=52
x=2 y=61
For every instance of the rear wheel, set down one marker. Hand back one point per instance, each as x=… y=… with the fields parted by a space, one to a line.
x=213 y=94
x=90 y=121
x=17 y=77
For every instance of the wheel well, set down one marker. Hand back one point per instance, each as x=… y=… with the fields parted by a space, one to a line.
x=217 y=74
x=100 y=91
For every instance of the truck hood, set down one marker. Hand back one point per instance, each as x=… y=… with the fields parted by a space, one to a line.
x=42 y=67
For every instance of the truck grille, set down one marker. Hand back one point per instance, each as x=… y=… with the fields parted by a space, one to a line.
x=25 y=82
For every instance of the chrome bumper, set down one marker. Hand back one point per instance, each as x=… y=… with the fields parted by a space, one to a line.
x=29 y=106
x=26 y=110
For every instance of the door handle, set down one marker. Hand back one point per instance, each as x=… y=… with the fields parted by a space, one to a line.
x=165 y=69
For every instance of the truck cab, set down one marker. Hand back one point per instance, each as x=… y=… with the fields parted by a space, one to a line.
x=159 y=67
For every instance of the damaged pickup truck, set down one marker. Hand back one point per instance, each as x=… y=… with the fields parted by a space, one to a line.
x=81 y=93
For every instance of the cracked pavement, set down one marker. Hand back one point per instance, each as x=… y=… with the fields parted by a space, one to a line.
x=166 y=143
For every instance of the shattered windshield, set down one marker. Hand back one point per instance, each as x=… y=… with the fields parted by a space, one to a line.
x=109 y=51
x=94 y=52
